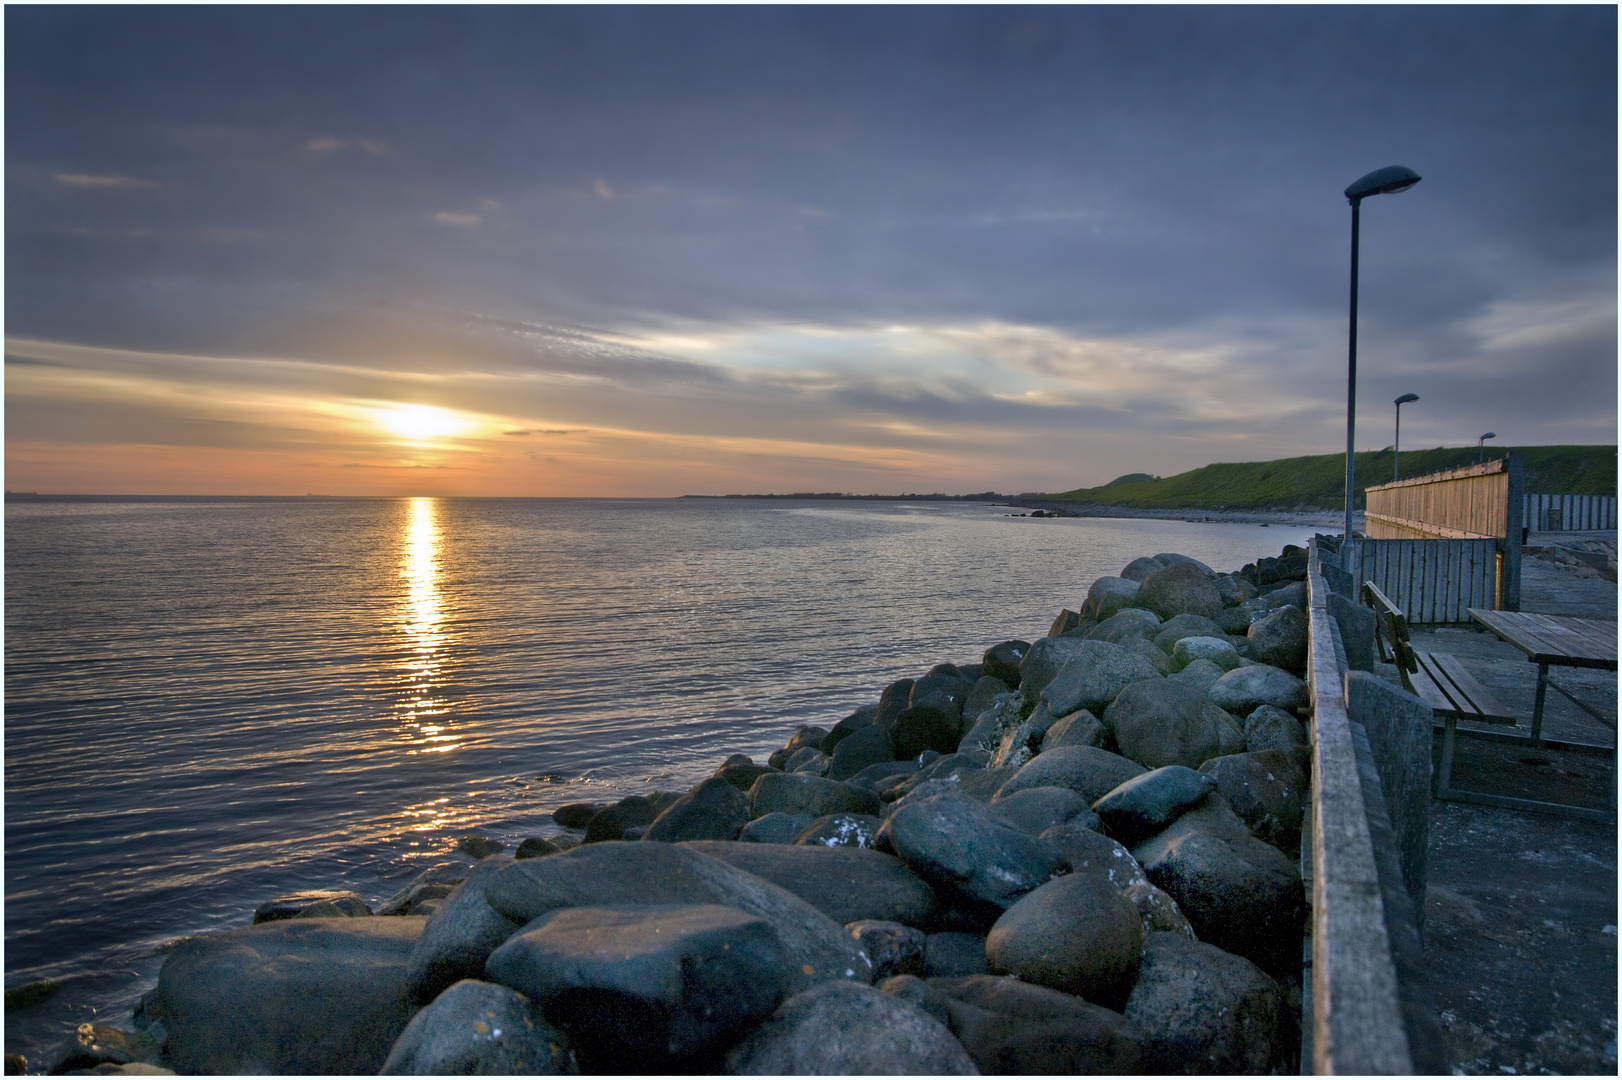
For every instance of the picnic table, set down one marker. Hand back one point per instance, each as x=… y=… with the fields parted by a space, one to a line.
x=1558 y=641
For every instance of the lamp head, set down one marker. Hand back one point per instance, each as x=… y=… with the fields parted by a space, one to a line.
x=1406 y=398
x=1386 y=181
x=1489 y=435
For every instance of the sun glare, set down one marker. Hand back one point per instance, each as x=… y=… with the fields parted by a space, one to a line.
x=420 y=422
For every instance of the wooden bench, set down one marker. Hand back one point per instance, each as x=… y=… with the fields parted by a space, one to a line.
x=1452 y=692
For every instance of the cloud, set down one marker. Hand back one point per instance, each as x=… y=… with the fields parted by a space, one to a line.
x=105 y=183
x=465 y=221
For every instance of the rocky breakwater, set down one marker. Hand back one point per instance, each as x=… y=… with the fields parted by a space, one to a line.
x=1077 y=855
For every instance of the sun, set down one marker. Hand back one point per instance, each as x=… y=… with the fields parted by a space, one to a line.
x=420 y=422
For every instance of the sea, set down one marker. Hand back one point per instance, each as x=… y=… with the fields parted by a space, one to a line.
x=210 y=702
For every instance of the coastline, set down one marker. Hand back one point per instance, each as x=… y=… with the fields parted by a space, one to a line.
x=1325 y=519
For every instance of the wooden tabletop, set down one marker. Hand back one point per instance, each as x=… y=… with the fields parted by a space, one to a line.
x=1554 y=639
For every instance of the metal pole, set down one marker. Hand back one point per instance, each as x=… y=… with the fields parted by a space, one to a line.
x=1351 y=375
x=1396 y=446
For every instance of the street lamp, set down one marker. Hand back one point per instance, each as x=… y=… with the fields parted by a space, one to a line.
x=1386 y=181
x=1481 y=446
x=1396 y=441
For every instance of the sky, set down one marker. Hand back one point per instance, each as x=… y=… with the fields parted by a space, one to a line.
x=624 y=251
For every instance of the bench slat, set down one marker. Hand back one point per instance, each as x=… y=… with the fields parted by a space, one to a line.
x=1486 y=707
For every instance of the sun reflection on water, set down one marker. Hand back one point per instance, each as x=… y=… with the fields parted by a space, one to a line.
x=424 y=714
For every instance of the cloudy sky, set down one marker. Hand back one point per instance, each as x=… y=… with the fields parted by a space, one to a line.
x=657 y=251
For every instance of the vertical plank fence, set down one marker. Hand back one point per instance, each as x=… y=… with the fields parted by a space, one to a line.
x=1570 y=513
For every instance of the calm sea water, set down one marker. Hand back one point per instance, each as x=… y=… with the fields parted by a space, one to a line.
x=213 y=701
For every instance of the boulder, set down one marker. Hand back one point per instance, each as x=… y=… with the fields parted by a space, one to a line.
x=1011 y=1027
x=1153 y=653
x=742 y=775
x=316 y=903
x=954 y=953
x=633 y=985
x=1086 y=770
x=841 y=830
x=477 y=847
x=1233 y=620
x=1003 y=660
x=1280 y=639
x=1214 y=648
x=1233 y=589
x=576 y=815
x=776 y=828
x=896 y=697
x=714 y=810
x=1006 y=711
x=855 y=722
x=1239 y=893
x=1163 y=722
x=1204 y=1012
x=984 y=692
x=1096 y=672
x=942 y=682
x=955 y=843
x=880 y=774
x=1179 y=589
x=1158 y=910
x=797 y=793
x=1021 y=742
x=310 y=996
x=842 y=1029
x=460 y=933
x=808 y=760
x=1200 y=672
x=1144 y=805
x=1065 y=622
x=534 y=847
x=480 y=1029
x=1126 y=588
x=894 y=948
x=1179 y=627
x=1126 y=625
x=1080 y=728
x=446 y=875
x=806 y=736
x=1242 y=689
x=1076 y=933
x=867 y=746
x=1141 y=569
x=847 y=884
x=1171 y=557
x=99 y=1047
x=610 y=822
x=1271 y=728
x=1266 y=789
x=925 y=727
x=617 y=874
x=1035 y=810
x=1093 y=853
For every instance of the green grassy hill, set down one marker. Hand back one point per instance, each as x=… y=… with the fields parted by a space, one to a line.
x=1319 y=482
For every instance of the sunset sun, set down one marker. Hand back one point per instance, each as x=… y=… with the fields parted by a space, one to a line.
x=420 y=422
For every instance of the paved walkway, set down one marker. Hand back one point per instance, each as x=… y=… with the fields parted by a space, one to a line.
x=1521 y=909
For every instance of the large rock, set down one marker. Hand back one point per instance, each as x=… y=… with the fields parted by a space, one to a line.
x=839 y=1029
x=1005 y=712
x=1240 y=894
x=461 y=932
x=985 y=691
x=1003 y=660
x=855 y=722
x=1142 y=568
x=955 y=843
x=1171 y=557
x=1107 y=595
x=682 y=979
x=926 y=727
x=955 y=953
x=1080 y=728
x=1042 y=662
x=847 y=884
x=1266 y=789
x=480 y=1029
x=1242 y=689
x=1127 y=624
x=1011 y=1027
x=797 y=793
x=316 y=903
x=1095 y=673
x=614 y=874
x=1076 y=933
x=867 y=746
x=1180 y=589
x=1144 y=805
x=1216 y=649
x=1086 y=770
x=741 y=773
x=610 y=823
x=444 y=876
x=1035 y=810
x=894 y=948
x=1271 y=728
x=312 y=996
x=896 y=697
x=98 y=1049
x=775 y=828
x=1164 y=722
x=1204 y=1012
x=1179 y=627
x=1093 y=853
x=808 y=760
x=841 y=830
x=1280 y=639
x=714 y=810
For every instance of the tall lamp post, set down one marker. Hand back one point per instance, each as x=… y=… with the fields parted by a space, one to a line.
x=1396 y=440
x=1386 y=181
x=1481 y=446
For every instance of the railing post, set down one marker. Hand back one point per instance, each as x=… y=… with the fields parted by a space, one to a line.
x=1516 y=510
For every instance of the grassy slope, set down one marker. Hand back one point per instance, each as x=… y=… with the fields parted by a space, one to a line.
x=1319 y=482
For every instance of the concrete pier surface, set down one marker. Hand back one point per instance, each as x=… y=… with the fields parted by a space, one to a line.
x=1521 y=908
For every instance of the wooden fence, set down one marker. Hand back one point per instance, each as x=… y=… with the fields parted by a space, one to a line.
x=1440 y=544
x=1569 y=513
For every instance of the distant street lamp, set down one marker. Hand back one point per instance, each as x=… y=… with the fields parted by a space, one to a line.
x=1396 y=441
x=1481 y=447
x=1386 y=181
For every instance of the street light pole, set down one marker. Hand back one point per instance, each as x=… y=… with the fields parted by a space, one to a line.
x=1389 y=180
x=1481 y=446
x=1396 y=440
